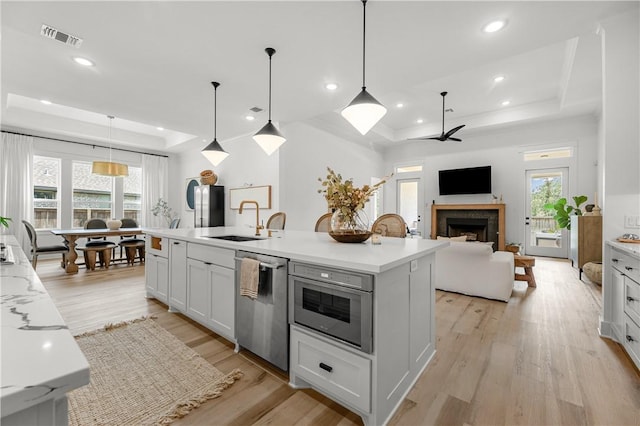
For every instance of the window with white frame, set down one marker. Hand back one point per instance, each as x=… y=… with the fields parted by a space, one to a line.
x=92 y=194
x=46 y=192
x=132 y=188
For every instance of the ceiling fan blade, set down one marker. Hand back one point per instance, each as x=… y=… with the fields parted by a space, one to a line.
x=452 y=131
x=424 y=138
x=455 y=139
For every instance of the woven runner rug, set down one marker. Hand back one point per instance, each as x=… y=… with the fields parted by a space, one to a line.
x=142 y=375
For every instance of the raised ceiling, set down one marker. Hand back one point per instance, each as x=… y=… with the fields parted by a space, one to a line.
x=155 y=61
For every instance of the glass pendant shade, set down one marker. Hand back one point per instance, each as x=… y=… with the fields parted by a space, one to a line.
x=214 y=153
x=364 y=112
x=269 y=138
x=109 y=168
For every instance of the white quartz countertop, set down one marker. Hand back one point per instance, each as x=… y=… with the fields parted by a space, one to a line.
x=629 y=248
x=40 y=358
x=313 y=247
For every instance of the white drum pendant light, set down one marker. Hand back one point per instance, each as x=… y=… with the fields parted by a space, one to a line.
x=214 y=152
x=109 y=168
x=364 y=111
x=269 y=138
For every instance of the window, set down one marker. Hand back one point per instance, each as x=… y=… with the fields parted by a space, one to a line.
x=547 y=154
x=46 y=192
x=92 y=195
x=132 y=186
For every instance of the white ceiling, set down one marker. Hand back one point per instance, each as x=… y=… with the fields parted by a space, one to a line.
x=155 y=61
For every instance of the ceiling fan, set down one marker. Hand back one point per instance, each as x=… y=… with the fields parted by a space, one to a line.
x=444 y=136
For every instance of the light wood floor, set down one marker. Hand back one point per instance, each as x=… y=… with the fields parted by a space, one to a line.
x=537 y=360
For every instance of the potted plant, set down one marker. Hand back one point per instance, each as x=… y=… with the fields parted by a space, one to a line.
x=564 y=211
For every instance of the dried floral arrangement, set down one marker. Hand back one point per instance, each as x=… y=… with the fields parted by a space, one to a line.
x=344 y=196
x=162 y=208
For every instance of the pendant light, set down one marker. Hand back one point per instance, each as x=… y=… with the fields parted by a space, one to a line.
x=269 y=138
x=214 y=152
x=109 y=168
x=364 y=111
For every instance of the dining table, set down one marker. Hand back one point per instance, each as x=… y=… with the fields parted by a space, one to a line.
x=71 y=236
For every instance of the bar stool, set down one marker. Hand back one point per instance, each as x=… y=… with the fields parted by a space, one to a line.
x=131 y=244
x=104 y=253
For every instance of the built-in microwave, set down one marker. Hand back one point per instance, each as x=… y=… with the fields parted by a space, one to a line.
x=336 y=303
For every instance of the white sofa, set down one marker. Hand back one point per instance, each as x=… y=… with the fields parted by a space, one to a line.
x=474 y=269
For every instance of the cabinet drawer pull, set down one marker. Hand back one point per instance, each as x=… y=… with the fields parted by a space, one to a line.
x=630 y=299
x=330 y=368
x=176 y=242
x=630 y=339
x=615 y=260
x=628 y=268
x=208 y=263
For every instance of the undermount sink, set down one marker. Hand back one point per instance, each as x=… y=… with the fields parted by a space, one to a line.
x=239 y=238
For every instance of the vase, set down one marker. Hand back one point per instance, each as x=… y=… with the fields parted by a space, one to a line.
x=114 y=224
x=350 y=226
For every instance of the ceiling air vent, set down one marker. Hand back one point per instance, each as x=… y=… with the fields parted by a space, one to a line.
x=50 y=32
x=256 y=109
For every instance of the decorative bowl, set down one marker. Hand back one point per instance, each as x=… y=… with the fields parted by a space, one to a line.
x=350 y=237
x=114 y=224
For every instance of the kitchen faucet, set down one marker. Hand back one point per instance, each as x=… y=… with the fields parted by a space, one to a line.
x=258 y=226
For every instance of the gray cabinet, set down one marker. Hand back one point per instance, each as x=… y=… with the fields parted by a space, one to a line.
x=586 y=240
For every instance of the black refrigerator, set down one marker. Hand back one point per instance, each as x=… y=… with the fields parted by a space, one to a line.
x=209 y=206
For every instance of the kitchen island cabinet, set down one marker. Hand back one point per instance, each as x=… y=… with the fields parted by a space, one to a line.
x=41 y=361
x=371 y=384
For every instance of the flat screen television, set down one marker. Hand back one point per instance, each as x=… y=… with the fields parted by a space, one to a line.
x=473 y=180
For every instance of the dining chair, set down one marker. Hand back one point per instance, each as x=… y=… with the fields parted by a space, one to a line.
x=277 y=220
x=323 y=224
x=130 y=243
x=390 y=225
x=37 y=250
x=97 y=243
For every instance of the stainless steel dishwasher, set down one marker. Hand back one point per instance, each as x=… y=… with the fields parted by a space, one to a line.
x=261 y=324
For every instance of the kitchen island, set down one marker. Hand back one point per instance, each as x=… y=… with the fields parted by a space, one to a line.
x=41 y=360
x=195 y=273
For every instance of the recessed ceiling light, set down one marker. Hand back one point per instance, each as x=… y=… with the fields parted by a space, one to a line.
x=331 y=86
x=505 y=103
x=399 y=105
x=46 y=102
x=83 y=61
x=498 y=78
x=249 y=117
x=419 y=121
x=160 y=128
x=494 y=26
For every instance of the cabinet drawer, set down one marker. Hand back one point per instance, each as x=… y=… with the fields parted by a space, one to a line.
x=632 y=340
x=340 y=373
x=157 y=245
x=626 y=264
x=632 y=299
x=216 y=255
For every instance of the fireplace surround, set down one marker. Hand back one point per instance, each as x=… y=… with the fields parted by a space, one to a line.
x=485 y=221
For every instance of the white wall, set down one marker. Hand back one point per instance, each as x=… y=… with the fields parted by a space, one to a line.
x=502 y=150
x=305 y=158
x=246 y=164
x=620 y=131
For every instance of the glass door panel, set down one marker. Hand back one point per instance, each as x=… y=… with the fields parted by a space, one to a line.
x=543 y=237
x=409 y=202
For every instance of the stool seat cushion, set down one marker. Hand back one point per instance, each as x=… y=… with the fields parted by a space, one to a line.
x=132 y=241
x=99 y=243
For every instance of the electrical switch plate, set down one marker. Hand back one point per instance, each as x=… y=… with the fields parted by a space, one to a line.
x=632 y=221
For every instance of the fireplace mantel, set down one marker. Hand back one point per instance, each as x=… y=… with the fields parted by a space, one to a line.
x=500 y=208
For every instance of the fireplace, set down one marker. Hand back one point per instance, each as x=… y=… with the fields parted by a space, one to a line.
x=473 y=229
x=484 y=221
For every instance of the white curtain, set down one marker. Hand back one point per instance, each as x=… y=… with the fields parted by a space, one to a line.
x=16 y=185
x=155 y=185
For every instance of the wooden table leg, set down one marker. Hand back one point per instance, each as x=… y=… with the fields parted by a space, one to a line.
x=71 y=268
x=528 y=271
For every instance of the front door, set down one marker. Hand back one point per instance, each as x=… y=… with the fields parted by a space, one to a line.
x=410 y=204
x=543 y=237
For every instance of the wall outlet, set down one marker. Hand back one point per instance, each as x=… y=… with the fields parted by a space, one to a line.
x=631 y=221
